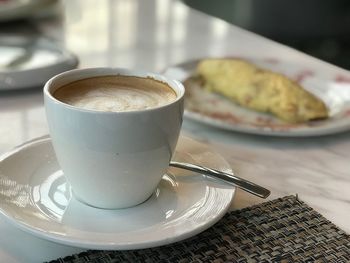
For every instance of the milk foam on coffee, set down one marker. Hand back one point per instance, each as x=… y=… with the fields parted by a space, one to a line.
x=116 y=93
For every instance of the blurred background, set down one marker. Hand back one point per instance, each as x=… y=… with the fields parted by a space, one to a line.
x=318 y=28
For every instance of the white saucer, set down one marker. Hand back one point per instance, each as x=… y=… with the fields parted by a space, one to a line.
x=35 y=197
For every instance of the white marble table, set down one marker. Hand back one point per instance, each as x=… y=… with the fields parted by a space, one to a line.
x=151 y=35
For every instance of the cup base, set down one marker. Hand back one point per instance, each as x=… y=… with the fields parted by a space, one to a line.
x=108 y=208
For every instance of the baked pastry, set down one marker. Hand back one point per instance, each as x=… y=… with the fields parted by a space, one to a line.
x=260 y=90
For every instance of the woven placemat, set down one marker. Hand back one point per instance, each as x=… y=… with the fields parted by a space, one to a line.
x=282 y=230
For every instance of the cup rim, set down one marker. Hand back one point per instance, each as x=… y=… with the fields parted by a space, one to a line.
x=175 y=85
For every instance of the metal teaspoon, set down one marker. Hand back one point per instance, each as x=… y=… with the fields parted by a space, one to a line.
x=229 y=178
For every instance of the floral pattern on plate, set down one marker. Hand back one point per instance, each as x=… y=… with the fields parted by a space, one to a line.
x=216 y=110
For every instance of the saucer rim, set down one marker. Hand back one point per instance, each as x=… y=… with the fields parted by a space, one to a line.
x=88 y=244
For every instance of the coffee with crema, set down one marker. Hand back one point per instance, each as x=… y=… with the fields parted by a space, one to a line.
x=116 y=93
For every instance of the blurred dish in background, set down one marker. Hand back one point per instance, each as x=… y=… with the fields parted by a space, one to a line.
x=22 y=9
x=30 y=62
x=215 y=110
x=258 y=89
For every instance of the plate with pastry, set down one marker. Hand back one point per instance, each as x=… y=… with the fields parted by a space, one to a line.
x=264 y=96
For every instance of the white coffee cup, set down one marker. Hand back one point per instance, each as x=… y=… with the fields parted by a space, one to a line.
x=113 y=159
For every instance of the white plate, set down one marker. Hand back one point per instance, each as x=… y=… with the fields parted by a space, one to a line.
x=35 y=197
x=215 y=110
x=30 y=62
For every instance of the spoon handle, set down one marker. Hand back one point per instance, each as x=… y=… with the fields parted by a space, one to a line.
x=229 y=178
